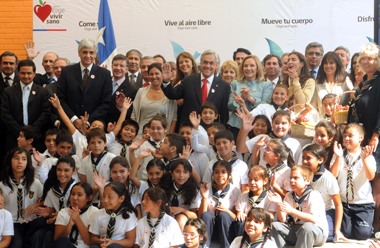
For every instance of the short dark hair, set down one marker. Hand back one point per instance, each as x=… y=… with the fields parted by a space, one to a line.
x=119 y=57
x=269 y=56
x=64 y=136
x=26 y=62
x=30 y=132
x=224 y=134
x=96 y=132
x=176 y=140
x=9 y=53
x=241 y=50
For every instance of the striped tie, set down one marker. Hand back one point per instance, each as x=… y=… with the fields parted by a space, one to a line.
x=112 y=222
x=152 y=235
x=20 y=197
x=350 y=175
x=25 y=98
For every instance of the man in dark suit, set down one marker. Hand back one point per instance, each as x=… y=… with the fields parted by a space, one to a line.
x=134 y=76
x=194 y=93
x=272 y=64
x=8 y=76
x=120 y=87
x=85 y=87
x=47 y=62
x=24 y=103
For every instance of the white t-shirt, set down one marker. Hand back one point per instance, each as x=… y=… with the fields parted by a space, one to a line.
x=52 y=201
x=142 y=174
x=168 y=233
x=113 y=146
x=103 y=167
x=313 y=204
x=99 y=222
x=29 y=198
x=362 y=186
x=239 y=173
x=237 y=241
x=195 y=203
x=243 y=205
x=327 y=185
x=43 y=170
x=228 y=201
x=293 y=144
x=6 y=224
x=63 y=219
x=199 y=161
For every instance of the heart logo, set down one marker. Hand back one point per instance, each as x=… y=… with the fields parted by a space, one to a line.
x=42 y=11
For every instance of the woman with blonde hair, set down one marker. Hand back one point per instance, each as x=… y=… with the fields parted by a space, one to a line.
x=251 y=88
x=229 y=71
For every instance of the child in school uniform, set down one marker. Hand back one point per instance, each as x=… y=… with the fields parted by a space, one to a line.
x=280 y=130
x=119 y=172
x=157 y=229
x=6 y=224
x=256 y=231
x=325 y=135
x=80 y=140
x=98 y=161
x=55 y=196
x=224 y=142
x=203 y=135
x=158 y=127
x=301 y=215
x=199 y=160
x=313 y=156
x=64 y=144
x=21 y=193
x=182 y=191
x=355 y=167
x=119 y=145
x=256 y=197
x=195 y=234
x=217 y=207
x=50 y=137
x=71 y=225
x=115 y=224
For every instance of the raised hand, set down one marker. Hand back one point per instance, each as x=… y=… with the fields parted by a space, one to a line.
x=204 y=190
x=37 y=156
x=166 y=72
x=186 y=152
x=195 y=119
x=127 y=103
x=274 y=197
x=54 y=100
x=338 y=150
x=30 y=52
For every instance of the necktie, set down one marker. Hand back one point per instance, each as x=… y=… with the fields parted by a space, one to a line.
x=350 y=178
x=96 y=161
x=25 y=98
x=115 y=86
x=61 y=194
x=132 y=79
x=74 y=233
x=85 y=77
x=7 y=81
x=152 y=235
x=20 y=197
x=175 y=201
x=51 y=80
x=204 y=90
x=112 y=222
x=218 y=197
x=312 y=73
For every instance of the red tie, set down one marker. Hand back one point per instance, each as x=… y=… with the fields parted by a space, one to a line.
x=204 y=90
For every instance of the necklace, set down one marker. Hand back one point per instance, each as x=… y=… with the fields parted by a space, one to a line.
x=156 y=90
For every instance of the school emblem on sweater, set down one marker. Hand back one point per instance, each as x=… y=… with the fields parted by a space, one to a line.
x=31 y=194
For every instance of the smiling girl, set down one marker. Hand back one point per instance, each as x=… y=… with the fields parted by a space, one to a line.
x=217 y=209
x=115 y=224
x=182 y=191
x=158 y=228
x=71 y=226
x=21 y=193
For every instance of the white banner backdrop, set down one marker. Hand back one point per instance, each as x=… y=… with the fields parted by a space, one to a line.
x=168 y=27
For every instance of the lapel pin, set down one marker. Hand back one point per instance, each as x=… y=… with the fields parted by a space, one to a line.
x=33 y=92
x=92 y=76
x=212 y=91
x=117 y=93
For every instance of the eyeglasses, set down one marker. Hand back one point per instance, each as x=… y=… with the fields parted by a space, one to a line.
x=314 y=53
x=190 y=235
x=268 y=149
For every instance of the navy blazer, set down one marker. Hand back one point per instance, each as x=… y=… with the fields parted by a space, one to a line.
x=12 y=110
x=190 y=90
x=76 y=99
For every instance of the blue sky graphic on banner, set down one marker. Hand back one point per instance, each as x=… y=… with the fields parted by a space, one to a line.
x=106 y=37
